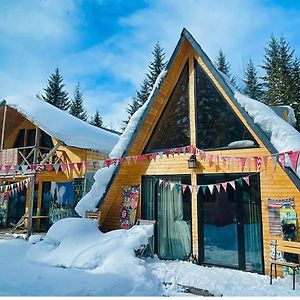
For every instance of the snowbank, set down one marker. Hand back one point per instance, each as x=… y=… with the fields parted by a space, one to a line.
x=282 y=135
x=103 y=176
x=78 y=243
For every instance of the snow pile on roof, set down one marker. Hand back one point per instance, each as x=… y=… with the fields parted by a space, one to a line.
x=104 y=175
x=282 y=135
x=78 y=243
x=63 y=126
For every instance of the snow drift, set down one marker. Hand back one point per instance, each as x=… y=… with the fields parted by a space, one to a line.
x=78 y=243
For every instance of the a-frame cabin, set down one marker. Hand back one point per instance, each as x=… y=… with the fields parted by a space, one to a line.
x=194 y=105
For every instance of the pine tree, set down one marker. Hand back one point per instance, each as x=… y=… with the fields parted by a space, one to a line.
x=131 y=109
x=157 y=65
x=54 y=93
x=278 y=67
x=144 y=92
x=253 y=88
x=77 y=108
x=96 y=119
x=224 y=66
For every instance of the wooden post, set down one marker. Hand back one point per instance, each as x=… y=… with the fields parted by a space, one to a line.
x=32 y=177
x=3 y=126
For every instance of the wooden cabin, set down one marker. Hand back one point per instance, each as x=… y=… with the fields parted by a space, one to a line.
x=222 y=218
x=48 y=159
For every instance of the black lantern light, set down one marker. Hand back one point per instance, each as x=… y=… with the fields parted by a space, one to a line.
x=192 y=162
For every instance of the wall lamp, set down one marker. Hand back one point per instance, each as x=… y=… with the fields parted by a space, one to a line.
x=192 y=162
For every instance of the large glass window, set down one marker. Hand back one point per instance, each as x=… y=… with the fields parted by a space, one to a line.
x=173 y=128
x=217 y=124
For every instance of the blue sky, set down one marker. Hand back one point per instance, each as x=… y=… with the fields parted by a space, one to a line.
x=106 y=45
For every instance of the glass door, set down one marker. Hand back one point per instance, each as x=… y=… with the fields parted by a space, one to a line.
x=171 y=208
x=230 y=223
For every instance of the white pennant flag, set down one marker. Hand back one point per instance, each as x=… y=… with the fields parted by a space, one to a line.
x=160 y=181
x=16 y=168
x=101 y=162
x=24 y=168
x=56 y=167
x=211 y=187
x=172 y=185
x=160 y=155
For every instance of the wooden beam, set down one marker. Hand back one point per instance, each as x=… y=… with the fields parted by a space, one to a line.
x=52 y=151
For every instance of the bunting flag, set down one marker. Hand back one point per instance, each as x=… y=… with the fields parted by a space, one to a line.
x=211 y=188
x=183 y=186
x=232 y=183
x=247 y=180
x=294 y=157
x=227 y=162
x=224 y=185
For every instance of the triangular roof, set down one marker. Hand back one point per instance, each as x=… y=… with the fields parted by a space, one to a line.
x=64 y=127
x=127 y=139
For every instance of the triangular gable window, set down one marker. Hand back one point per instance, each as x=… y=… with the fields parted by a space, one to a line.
x=217 y=124
x=173 y=128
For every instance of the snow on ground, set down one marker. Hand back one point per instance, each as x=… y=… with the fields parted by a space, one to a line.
x=75 y=259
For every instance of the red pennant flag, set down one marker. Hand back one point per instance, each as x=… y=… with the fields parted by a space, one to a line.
x=198 y=187
x=63 y=167
x=32 y=167
x=249 y=163
x=167 y=152
x=107 y=162
x=294 y=157
x=242 y=161
x=149 y=156
x=141 y=157
x=154 y=155
x=7 y=168
x=189 y=149
x=72 y=166
x=79 y=166
x=178 y=150
x=121 y=161
x=49 y=168
x=224 y=185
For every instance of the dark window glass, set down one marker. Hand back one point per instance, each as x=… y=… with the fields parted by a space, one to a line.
x=46 y=140
x=19 y=142
x=30 y=137
x=217 y=124
x=173 y=127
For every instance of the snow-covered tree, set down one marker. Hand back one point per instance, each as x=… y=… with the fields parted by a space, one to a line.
x=77 y=108
x=224 y=66
x=253 y=88
x=54 y=93
x=96 y=119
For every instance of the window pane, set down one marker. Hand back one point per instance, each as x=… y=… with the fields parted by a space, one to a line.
x=217 y=124
x=173 y=127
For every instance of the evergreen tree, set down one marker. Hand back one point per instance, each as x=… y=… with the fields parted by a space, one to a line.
x=54 y=93
x=278 y=67
x=252 y=87
x=156 y=65
x=131 y=109
x=144 y=92
x=96 y=119
x=224 y=66
x=76 y=108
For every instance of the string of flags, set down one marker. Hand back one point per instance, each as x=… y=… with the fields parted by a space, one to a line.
x=13 y=188
x=218 y=186
x=244 y=162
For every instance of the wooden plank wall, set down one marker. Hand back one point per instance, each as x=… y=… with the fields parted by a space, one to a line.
x=274 y=184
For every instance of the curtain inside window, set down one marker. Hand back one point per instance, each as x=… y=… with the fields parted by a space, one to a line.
x=173 y=232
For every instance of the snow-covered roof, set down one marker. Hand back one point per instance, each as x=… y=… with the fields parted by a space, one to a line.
x=63 y=126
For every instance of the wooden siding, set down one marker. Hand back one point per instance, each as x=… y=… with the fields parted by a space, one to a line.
x=273 y=184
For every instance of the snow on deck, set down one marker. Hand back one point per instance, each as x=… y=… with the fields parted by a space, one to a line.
x=63 y=126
